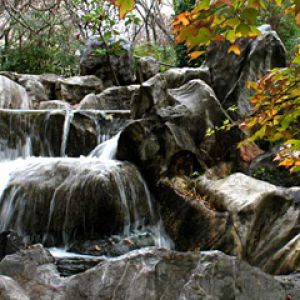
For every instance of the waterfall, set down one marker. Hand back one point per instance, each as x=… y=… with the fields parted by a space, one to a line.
x=107 y=150
x=54 y=133
x=51 y=198
x=66 y=129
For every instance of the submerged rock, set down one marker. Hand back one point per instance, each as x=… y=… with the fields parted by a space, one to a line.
x=148 y=274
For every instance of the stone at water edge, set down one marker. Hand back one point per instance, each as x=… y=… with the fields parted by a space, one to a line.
x=266 y=218
x=148 y=274
x=74 y=89
x=10 y=242
x=192 y=222
x=55 y=104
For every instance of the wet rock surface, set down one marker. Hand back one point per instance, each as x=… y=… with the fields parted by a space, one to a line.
x=61 y=200
x=56 y=133
x=114 y=245
x=147 y=274
x=10 y=242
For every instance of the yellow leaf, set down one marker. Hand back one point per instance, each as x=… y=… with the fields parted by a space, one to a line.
x=235 y=49
x=196 y=54
x=124 y=6
x=287 y=162
x=98 y=248
x=298 y=19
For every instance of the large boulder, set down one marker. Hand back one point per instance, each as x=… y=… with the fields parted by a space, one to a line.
x=192 y=222
x=113 y=98
x=11 y=290
x=166 y=140
x=34 y=87
x=266 y=217
x=59 y=200
x=230 y=73
x=92 y=63
x=147 y=67
x=13 y=95
x=149 y=274
x=73 y=89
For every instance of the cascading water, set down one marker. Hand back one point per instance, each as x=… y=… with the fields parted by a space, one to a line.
x=59 y=200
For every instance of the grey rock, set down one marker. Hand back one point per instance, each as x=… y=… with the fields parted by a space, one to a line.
x=230 y=73
x=11 y=290
x=149 y=274
x=13 y=95
x=174 y=125
x=60 y=200
x=113 y=98
x=265 y=216
x=55 y=104
x=177 y=77
x=123 y=64
x=34 y=87
x=148 y=67
x=192 y=222
x=36 y=273
x=73 y=89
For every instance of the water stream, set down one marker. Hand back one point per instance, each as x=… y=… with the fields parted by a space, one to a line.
x=56 y=200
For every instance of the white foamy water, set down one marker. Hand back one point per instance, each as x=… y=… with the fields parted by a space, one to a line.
x=107 y=150
x=130 y=185
x=62 y=253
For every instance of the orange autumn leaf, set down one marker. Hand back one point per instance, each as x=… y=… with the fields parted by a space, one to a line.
x=196 y=54
x=235 y=49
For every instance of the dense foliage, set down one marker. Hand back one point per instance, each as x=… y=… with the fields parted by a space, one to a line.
x=45 y=43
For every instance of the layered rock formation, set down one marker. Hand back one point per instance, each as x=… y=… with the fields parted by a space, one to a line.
x=150 y=274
